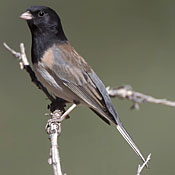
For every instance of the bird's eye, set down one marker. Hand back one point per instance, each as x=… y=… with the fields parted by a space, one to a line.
x=41 y=13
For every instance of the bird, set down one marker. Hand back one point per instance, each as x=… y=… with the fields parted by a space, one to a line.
x=65 y=73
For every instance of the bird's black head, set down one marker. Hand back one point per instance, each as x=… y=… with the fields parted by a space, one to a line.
x=46 y=29
x=44 y=21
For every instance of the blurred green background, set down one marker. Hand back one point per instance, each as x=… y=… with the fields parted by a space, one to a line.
x=126 y=42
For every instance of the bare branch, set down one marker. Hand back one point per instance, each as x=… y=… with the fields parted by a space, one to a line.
x=140 y=168
x=16 y=54
x=126 y=92
x=53 y=128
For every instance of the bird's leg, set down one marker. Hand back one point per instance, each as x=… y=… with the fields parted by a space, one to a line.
x=57 y=103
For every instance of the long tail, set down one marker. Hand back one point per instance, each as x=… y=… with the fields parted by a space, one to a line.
x=129 y=140
x=121 y=130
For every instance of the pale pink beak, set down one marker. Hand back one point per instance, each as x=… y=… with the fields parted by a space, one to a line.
x=26 y=15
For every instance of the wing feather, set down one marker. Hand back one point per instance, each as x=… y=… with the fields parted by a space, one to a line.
x=78 y=76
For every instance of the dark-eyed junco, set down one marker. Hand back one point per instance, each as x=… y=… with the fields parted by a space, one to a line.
x=64 y=72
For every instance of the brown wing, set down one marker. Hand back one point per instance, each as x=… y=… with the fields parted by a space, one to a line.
x=78 y=76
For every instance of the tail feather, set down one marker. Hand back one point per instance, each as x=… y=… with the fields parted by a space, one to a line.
x=121 y=130
x=129 y=140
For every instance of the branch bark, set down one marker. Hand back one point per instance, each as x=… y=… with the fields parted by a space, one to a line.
x=53 y=128
x=126 y=92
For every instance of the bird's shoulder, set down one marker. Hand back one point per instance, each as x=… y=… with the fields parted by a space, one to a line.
x=63 y=60
x=65 y=53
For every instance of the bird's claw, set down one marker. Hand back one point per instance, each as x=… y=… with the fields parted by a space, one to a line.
x=56 y=119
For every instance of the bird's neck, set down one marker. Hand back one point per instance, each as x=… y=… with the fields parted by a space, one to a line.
x=42 y=41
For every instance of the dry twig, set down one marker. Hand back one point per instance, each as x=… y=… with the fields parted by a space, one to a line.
x=53 y=128
x=126 y=92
